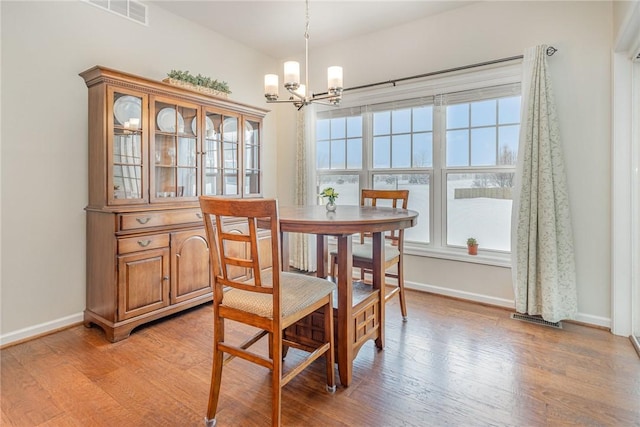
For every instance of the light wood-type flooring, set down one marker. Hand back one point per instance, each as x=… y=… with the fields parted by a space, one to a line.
x=454 y=363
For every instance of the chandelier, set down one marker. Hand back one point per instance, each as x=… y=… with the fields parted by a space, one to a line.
x=298 y=92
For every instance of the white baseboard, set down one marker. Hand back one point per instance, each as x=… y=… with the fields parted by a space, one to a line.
x=41 y=329
x=485 y=299
x=500 y=302
x=594 y=320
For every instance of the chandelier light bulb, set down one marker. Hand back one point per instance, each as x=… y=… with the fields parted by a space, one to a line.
x=292 y=74
x=334 y=77
x=271 y=86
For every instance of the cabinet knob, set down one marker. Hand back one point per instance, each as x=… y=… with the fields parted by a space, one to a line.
x=199 y=215
x=143 y=220
x=165 y=278
x=144 y=243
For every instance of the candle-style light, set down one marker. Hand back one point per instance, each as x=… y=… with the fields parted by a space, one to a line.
x=271 y=86
x=334 y=78
x=291 y=75
x=297 y=90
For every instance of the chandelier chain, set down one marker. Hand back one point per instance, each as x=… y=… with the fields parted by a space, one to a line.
x=306 y=27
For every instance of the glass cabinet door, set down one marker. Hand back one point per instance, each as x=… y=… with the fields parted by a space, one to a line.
x=211 y=152
x=174 y=151
x=220 y=155
x=230 y=144
x=252 y=157
x=127 y=180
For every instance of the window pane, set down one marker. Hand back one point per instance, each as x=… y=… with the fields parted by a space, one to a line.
x=483 y=113
x=347 y=187
x=422 y=119
x=419 y=190
x=338 y=153
x=382 y=123
x=401 y=154
x=458 y=148
x=457 y=116
x=354 y=127
x=401 y=120
x=508 y=144
x=322 y=129
x=479 y=205
x=422 y=150
x=483 y=147
x=354 y=153
x=381 y=150
x=338 y=128
x=509 y=110
x=322 y=154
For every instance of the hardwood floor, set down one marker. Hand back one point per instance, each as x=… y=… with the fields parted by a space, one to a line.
x=453 y=363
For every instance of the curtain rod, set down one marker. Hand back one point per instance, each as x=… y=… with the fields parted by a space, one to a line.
x=550 y=51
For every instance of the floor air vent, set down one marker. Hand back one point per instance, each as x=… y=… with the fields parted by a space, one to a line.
x=536 y=319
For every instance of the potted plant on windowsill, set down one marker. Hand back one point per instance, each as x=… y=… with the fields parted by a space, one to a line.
x=472 y=246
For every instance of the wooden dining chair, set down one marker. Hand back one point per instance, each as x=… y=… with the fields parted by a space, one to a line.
x=394 y=244
x=249 y=288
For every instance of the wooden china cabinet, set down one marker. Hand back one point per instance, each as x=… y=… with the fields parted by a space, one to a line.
x=153 y=149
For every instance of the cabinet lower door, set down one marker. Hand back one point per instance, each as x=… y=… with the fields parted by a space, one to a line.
x=190 y=265
x=143 y=282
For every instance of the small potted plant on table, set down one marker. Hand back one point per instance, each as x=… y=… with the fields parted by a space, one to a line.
x=331 y=194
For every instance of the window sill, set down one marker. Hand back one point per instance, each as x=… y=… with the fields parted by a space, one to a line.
x=486 y=258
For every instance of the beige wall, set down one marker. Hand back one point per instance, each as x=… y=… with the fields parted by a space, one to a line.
x=44 y=136
x=582 y=31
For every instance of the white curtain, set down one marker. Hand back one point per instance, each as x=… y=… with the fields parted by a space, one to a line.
x=303 y=249
x=542 y=245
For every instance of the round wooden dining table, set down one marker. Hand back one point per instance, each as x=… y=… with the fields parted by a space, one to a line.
x=342 y=224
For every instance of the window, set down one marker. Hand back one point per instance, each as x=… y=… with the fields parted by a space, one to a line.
x=455 y=152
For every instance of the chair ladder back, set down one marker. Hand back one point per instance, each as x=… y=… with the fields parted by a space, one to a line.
x=227 y=254
x=247 y=259
x=398 y=199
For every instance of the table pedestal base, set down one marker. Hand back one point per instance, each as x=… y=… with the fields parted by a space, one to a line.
x=365 y=320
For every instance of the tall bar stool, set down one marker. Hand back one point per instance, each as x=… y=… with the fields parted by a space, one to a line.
x=394 y=244
x=249 y=288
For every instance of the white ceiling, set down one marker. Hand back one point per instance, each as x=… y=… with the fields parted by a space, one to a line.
x=276 y=28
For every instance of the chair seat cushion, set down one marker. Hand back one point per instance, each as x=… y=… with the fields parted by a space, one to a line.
x=364 y=251
x=298 y=292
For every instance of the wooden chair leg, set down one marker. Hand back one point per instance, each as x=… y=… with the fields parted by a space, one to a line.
x=403 y=302
x=276 y=378
x=334 y=264
x=330 y=354
x=216 y=373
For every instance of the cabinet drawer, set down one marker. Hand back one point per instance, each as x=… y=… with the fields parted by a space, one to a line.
x=132 y=221
x=141 y=243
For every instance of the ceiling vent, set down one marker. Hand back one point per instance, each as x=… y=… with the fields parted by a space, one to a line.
x=130 y=9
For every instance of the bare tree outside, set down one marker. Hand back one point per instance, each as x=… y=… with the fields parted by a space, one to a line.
x=498 y=179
